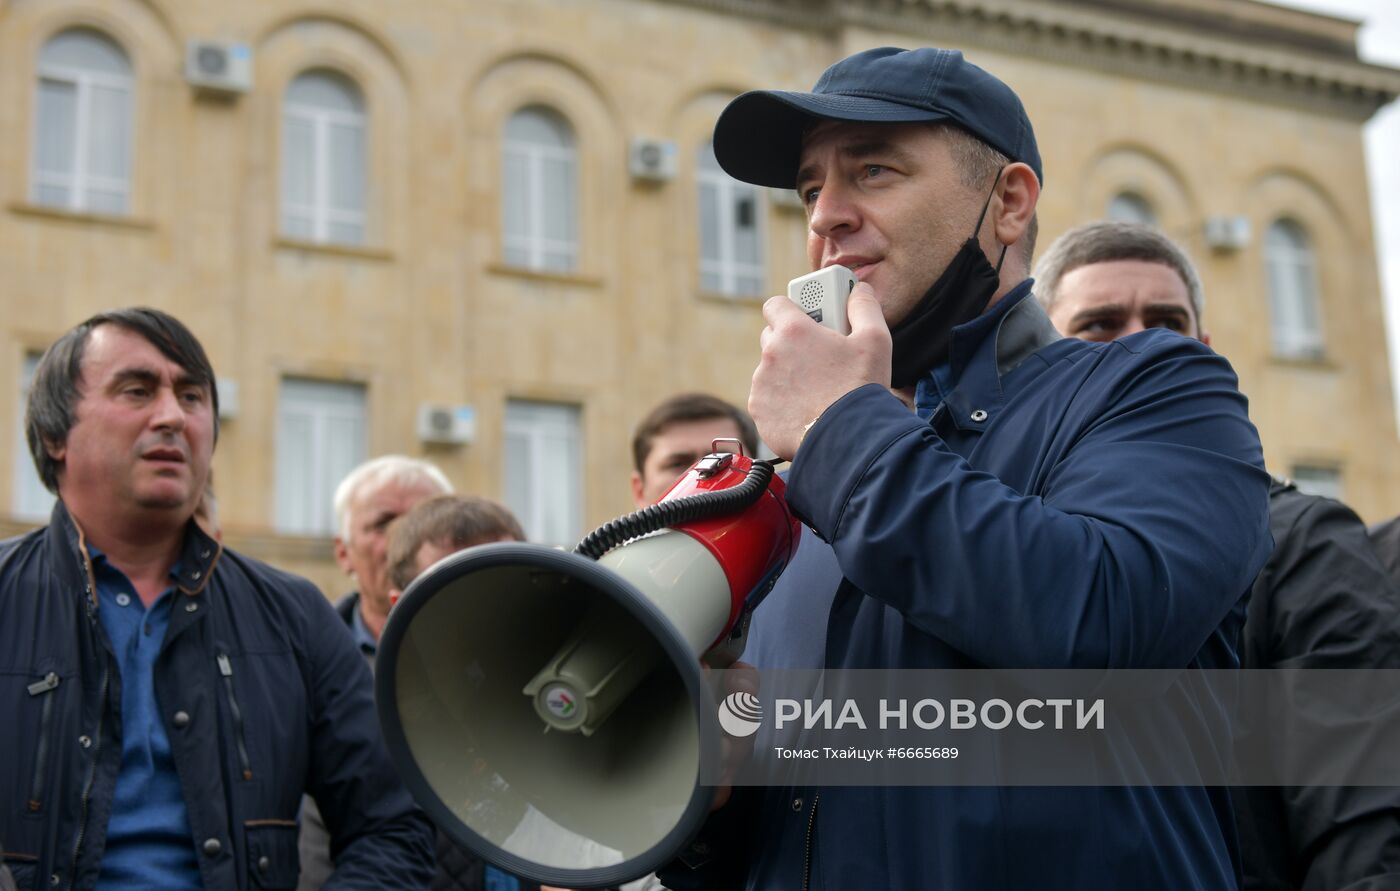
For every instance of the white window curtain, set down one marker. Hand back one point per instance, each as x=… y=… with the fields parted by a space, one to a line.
x=1130 y=207
x=31 y=500
x=1295 y=314
x=731 y=230
x=539 y=192
x=324 y=159
x=322 y=434
x=83 y=124
x=544 y=470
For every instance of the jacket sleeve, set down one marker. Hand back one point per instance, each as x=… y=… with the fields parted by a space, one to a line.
x=379 y=838
x=1327 y=602
x=1139 y=539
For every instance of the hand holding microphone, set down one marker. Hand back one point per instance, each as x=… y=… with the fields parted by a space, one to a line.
x=805 y=366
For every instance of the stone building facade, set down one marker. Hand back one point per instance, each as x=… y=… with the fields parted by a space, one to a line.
x=505 y=209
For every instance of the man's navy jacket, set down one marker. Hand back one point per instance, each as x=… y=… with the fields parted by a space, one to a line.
x=1060 y=504
x=263 y=694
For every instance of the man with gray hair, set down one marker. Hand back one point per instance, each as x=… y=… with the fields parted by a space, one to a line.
x=367 y=501
x=371 y=497
x=1323 y=600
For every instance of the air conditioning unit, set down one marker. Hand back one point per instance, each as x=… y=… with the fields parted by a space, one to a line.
x=1227 y=234
x=447 y=424
x=227 y=389
x=652 y=160
x=787 y=199
x=219 y=66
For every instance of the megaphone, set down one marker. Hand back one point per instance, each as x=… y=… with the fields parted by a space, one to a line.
x=548 y=709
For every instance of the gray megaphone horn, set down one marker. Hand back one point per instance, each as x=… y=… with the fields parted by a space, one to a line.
x=548 y=709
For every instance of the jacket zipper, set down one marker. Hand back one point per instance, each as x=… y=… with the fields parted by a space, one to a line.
x=226 y=669
x=41 y=753
x=90 y=603
x=807 y=852
x=92 y=773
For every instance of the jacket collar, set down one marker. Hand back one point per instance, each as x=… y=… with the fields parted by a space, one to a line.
x=982 y=352
x=199 y=555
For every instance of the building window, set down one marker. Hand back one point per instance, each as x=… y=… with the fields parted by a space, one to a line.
x=321 y=436
x=82 y=127
x=539 y=192
x=31 y=500
x=1130 y=207
x=1293 y=297
x=323 y=159
x=544 y=470
x=1315 y=480
x=731 y=241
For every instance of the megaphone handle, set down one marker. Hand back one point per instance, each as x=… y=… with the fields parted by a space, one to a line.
x=725 y=654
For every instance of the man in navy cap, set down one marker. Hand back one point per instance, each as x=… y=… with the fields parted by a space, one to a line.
x=979 y=492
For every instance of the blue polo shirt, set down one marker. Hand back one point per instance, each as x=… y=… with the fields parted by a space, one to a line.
x=149 y=840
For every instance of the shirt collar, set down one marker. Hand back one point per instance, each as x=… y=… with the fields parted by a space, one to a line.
x=107 y=574
x=981 y=352
x=199 y=554
x=360 y=631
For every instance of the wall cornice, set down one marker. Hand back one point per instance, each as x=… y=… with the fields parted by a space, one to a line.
x=1261 y=52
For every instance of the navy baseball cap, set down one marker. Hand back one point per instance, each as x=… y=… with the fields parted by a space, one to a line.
x=758 y=138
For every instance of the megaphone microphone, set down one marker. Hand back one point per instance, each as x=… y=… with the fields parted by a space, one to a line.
x=548 y=709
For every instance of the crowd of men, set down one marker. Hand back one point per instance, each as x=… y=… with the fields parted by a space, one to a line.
x=992 y=474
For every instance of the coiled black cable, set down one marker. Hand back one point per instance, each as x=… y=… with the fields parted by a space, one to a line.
x=682 y=510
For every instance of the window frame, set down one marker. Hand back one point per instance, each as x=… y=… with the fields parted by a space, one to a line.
x=79 y=182
x=727 y=269
x=1144 y=212
x=536 y=420
x=534 y=244
x=320 y=212
x=29 y=498
x=321 y=515
x=1321 y=479
x=1289 y=336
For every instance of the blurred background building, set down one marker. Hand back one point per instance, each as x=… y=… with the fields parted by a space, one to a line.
x=492 y=233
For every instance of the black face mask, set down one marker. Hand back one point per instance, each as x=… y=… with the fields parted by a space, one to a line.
x=959 y=296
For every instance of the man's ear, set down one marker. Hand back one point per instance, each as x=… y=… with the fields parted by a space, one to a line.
x=55 y=450
x=1017 y=195
x=342 y=556
x=637 y=489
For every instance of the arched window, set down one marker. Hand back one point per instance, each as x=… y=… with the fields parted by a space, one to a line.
x=1293 y=296
x=83 y=129
x=539 y=191
x=324 y=159
x=1130 y=207
x=731 y=239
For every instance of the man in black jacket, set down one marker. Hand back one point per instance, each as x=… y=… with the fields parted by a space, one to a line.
x=169 y=700
x=1323 y=600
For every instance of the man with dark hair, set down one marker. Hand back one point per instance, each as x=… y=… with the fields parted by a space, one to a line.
x=445 y=525
x=1123 y=278
x=677 y=433
x=1323 y=600
x=984 y=528
x=169 y=700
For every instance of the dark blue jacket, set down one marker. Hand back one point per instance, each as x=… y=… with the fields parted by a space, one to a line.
x=264 y=696
x=1066 y=505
